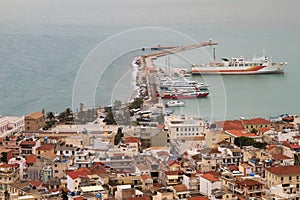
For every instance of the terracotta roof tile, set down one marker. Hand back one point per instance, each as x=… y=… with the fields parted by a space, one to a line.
x=138 y=198
x=249 y=182
x=264 y=129
x=280 y=157
x=35 y=115
x=35 y=183
x=210 y=177
x=285 y=170
x=81 y=172
x=198 y=198
x=256 y=121
x=46 y=147
x=132 y=140
x=241 y=133
x=180 y=188
x=29 y=143
x=229 y=124
x=4 y=165
x=31 y=158
x=174 y=173
x=145 y=176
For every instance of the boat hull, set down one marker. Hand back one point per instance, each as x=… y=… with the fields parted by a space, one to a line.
x=274 y=68
x=179 y=96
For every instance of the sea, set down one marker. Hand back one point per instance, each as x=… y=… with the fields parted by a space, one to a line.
x=56 y=54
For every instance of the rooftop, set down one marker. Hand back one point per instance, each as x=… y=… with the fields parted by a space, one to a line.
x=180 y=188
x=46 y=147
x=285 y=170
x=210 y=177
x=35 y=115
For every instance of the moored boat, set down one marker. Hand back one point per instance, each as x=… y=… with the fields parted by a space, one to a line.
x=239 y=65
x=175 y=103
x=192 y=95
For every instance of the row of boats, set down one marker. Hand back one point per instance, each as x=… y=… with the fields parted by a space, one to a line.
x=182 y=88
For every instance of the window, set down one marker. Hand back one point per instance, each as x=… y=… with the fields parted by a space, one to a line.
x=290 y=178
x=56 y=171
x=281 y=178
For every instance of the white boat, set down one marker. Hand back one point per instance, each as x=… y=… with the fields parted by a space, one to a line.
x=175 y=103
x=239 y=65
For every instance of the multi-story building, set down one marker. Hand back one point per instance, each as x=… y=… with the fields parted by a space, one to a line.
x=285 y=191
x=29 y=146
x=84 y=158
x=249 y=189
x=46 y=151
x=12 y=143
x=9 y=173
x=283 y=175
x=34 y=121
x=182 y=126
x=10 y=125
x=208 y=183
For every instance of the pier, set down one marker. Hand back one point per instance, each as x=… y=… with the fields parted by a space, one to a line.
x=147 y=69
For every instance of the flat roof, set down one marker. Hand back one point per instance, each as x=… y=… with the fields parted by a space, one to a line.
x=92 y=188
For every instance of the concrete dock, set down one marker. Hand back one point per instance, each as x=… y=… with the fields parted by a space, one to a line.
x=147 y=70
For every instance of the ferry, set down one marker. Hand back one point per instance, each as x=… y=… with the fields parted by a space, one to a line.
x=192 y=95
x=175 y=103
x=239 y=65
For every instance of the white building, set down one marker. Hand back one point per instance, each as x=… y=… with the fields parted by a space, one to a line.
x=10 y=125
x=208 y=183
x=286 y=191
x=182 y=126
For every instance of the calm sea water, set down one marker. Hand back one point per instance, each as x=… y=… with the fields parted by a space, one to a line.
x=56 y=54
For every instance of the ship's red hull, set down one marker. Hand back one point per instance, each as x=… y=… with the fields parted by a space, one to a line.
x=184 y=96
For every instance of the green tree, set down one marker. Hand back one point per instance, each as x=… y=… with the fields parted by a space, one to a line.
x=64 y=195
x=109 y=118
x=4 y=157
x=137 y=103
x=118 y=136
x=50 y=116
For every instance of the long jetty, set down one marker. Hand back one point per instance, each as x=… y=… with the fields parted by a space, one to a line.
x=147 y=66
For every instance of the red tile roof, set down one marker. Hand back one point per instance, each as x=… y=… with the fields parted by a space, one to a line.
x=46 y=147
x=198 y=198
x=172 y=162
x=229 y=124
x=249 y=182
x=264 y=129
x=233 y=168
x=35 y=115
x=31 y=158
x=280 y=157
x=79 y=198
x=35 y=183
x=81 y=172
x=145 y=176
x=29 y=143
x=4 y=165
x=210 y=177
x=174 y=173
x=241 y=133
x=269 y=148
x=256 y=121
x=295 y=146
x=132 y=140
x=138 y=198
x=180 y=188
x=285 y=170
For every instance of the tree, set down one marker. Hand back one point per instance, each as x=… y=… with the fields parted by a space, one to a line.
x=4 y=157
x=50 y=116
x=109 y=119
x=137 y=103
x=119 y=136
x=245 y=141
x=64 y=195
x=118 y=104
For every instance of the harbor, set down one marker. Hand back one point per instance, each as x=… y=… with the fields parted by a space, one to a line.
x=168 y=87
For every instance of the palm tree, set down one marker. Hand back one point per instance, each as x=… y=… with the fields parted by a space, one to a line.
x=50 y=116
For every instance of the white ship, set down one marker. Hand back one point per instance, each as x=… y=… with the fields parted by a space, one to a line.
x=238 y=65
